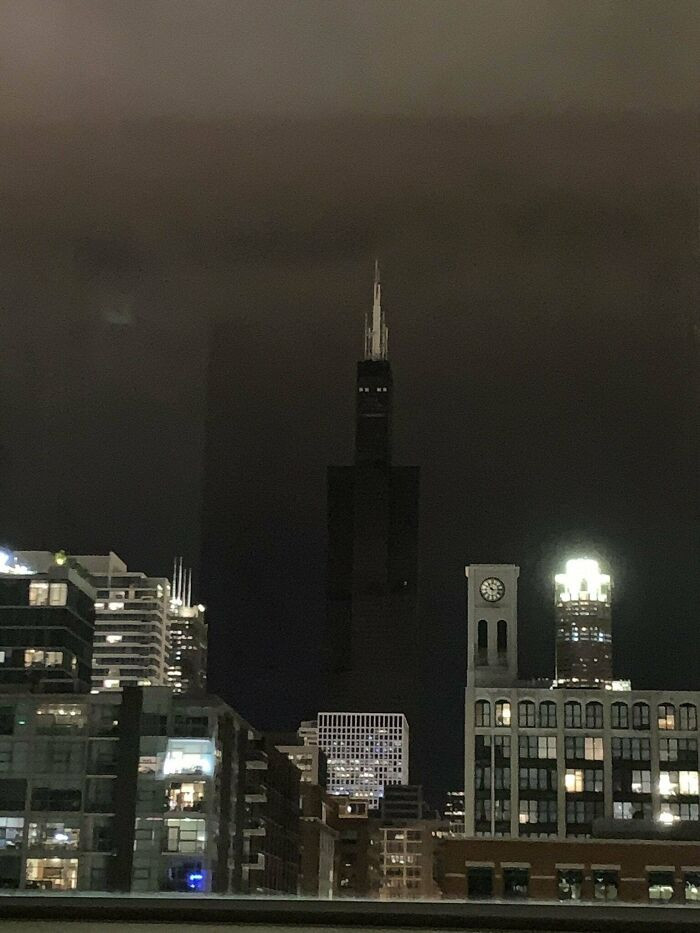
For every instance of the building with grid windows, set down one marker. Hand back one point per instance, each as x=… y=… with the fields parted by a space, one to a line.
x=187 y=636
x=47 y=622
x=365 y=752
x=142 y=790
x=584 y=628
x=131 y=625
x=559 y=760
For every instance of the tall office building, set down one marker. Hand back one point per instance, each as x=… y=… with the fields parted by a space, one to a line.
x=47 y=622
x=187 y=631
x=573 y=760
x=372 y=576
x=584 y=632
x=131 y=625
x=365 y=752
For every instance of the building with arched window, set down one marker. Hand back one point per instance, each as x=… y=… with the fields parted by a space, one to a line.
x=558 y=759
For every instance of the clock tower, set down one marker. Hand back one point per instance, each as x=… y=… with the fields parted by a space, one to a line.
x=492 y=624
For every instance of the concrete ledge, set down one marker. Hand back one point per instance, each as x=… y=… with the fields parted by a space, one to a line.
x=434 y=915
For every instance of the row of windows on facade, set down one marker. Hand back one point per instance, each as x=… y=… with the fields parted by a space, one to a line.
x=368 y=389
x=661 y=885
x=682 y=783
x=587 y=748
x=576 y=716
x=544 y=812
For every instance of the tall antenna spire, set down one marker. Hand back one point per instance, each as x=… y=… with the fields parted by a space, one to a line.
x=376 y=331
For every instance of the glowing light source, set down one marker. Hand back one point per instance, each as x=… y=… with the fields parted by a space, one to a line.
x=10 y=564
x=583 y=581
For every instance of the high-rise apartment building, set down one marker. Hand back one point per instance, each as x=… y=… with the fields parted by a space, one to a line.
x=372 y=576
x=142 y=790
x=545 y=761
x=131 y=625
x=47 y=622
x=365 y=751
x=187 y=635
x=584 y=630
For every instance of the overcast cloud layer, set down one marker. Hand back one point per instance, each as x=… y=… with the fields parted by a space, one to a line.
x=86 y=58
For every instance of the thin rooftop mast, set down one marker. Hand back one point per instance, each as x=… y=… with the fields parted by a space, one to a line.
x=376 y=331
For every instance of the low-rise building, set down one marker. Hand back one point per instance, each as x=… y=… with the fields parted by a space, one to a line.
x=638 y=870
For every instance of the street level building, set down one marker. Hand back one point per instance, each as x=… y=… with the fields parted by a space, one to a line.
x=139 y=790
x=365 y=752
x=546 y=762
x=372 y=574
x=453 y=812
x=131 y=625
x=584 y=626
x=187 y=636
x=47 y=622
x=641 y=871
x=407 y=859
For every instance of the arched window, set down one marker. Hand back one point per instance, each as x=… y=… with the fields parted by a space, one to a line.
x=482 y=713
x=667 y=716
x=526 y=714
x=482 y=641
x=572 y=715
x=687 y=717
x=502 y=636
x=594 y=715
x=640 y=716
x=502 y=713
x=620 y=716
x=548 y=715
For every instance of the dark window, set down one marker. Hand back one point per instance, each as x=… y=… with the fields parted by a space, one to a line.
x=619 y=716
x=569 y=882
x=12 y=794
x=572 y=715
x=482 y=641
x=7 y=720
x=479 y=882
x=515 y=882
x=594 y=715
x=640 y=716
x=482 y=713
x=687 y=717
x=548 y=715
x=526 y=714
x=502 y=636
x=53 y=798
x=605 y=885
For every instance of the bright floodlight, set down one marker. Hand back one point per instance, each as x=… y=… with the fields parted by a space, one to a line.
x=583 y=581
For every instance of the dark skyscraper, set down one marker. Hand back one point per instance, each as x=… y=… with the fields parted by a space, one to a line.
x=372 y=580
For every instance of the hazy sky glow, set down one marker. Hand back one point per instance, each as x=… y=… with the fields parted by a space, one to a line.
x=193 y=195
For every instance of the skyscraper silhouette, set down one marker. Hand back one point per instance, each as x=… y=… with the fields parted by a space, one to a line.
x=372 y=576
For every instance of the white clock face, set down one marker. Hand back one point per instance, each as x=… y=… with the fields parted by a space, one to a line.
x=492 y=589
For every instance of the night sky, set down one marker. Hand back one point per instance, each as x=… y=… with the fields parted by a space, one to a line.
x=193 y=195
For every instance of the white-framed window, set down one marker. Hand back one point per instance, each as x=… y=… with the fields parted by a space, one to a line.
x=58 y=594
x=39 y=593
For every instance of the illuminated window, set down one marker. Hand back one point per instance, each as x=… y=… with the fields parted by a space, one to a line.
x=691 y=885
x=641 y=782
x=502 y=717
x=38 y=593
x=53 y=874
x=113 y=639
x=573 y=781
x=667 y=716
x=11 y=832
x=35 y=657
x=661 y=886
x=631 y=810
x=58 y=594
x=186 y=836
x=50 y=835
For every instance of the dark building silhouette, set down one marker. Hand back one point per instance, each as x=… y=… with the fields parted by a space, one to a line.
x=372 y=578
